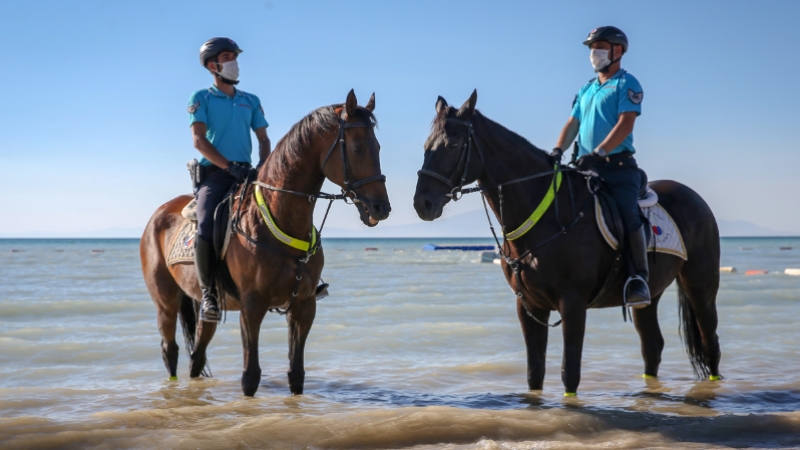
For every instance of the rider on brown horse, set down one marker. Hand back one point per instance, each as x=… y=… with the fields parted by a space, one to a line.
x=221 y=118
x=602 y=118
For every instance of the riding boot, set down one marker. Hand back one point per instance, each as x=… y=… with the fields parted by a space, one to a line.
x=637 y=292
x=203 y=261
x=322 y=290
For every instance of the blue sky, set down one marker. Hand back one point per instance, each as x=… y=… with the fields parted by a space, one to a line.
x=95 y=133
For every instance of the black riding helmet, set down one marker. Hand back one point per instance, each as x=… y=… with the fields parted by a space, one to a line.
x=215 y=46
x=612 y=35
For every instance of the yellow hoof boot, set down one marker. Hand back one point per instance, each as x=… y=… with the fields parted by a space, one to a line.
x=173 y=378
x=649 y=377
x=714 y=378
x=570 y=394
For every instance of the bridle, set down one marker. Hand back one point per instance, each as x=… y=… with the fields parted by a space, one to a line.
x=348 y=192
x=349 y=188
x=456 y=192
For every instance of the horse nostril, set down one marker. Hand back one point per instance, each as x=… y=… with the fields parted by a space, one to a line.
x=428 y=204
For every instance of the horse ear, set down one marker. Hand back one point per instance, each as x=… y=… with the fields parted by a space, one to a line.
x=371 y=103
x=441 y=105
x=351 y=104
x=469 y=106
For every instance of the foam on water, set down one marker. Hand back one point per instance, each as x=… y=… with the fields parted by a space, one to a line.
x=413 y=348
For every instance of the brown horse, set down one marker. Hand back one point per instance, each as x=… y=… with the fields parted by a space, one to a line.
x=265 y=273
x=564 y=263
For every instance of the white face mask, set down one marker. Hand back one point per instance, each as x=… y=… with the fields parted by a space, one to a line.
x=230 y=70
x=599 y=59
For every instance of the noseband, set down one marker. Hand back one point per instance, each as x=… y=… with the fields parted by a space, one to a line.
x=349 y=188
x=456 y=192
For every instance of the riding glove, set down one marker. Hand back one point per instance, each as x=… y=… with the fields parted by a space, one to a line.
x=239 y=171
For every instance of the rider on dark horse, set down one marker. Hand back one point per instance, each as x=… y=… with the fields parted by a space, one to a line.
x=602 y=118
x=221 y=118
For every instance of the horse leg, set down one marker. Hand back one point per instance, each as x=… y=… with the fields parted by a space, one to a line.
x=300 y=319
x=573 y=327
x=253 y=312
x=167 y=297
x=652 y=342
x=697 y=302
x=205 y=331
x=535 y=342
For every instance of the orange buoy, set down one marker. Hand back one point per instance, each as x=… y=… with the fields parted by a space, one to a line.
x=756 y=272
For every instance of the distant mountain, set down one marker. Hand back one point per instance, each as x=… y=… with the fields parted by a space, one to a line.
x=747 y=229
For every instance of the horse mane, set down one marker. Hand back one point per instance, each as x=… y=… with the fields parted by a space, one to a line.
x=500 y=134
x=289 y=149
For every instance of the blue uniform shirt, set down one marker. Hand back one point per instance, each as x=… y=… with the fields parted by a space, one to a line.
x=228 y=121
x=598 y=107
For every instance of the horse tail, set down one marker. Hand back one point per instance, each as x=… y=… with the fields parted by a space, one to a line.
x=690 y=334
x=188 y=315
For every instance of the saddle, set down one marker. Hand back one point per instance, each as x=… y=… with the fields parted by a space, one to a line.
x=663 y=236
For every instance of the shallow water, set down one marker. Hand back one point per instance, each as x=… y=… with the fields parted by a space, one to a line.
x=395 y=359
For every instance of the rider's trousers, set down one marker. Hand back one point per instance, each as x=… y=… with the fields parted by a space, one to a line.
x=624 y=180
x=209 y=194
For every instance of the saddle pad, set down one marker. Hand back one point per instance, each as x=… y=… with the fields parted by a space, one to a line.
x=182 y=248
x=664 y=238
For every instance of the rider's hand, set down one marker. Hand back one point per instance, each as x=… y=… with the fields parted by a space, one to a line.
x=556 y=154
x=239 y=171
x=586 y=162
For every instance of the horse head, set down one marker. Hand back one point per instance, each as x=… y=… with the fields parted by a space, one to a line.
x=353 y=162
x=452 y=158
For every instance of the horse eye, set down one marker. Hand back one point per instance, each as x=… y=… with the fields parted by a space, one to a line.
x=357 y=148
x=453 y=145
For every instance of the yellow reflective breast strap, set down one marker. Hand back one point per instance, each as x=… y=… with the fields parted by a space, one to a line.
x=539 y=211
x=280 y=235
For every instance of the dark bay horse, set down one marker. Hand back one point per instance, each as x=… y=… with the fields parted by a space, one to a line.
x=565 y=271
x=335 y=142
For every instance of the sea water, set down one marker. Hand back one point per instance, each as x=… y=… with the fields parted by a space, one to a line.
x=413 y=349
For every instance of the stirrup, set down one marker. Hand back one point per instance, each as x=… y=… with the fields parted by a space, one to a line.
x=209 y=311
x=322 y=291
x=639 y=304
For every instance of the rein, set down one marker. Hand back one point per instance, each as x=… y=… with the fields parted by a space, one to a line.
x=310 y=248
x=551 y=197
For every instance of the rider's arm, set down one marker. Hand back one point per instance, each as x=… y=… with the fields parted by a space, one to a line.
x=569 y=133
x=264 y=145
x=205 y=147
x=621 y=130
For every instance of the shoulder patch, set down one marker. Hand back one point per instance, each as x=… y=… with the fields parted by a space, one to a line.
x=575 y=100
x=193 y=107
x=635 y=97
x=261 y=108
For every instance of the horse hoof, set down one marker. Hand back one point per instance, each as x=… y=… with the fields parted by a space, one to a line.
x=570 y=394
x=714 y=377
x=649 y=377
x=173 y=378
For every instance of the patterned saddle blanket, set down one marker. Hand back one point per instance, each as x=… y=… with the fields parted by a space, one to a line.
x=664 y=236
x=182 y=247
